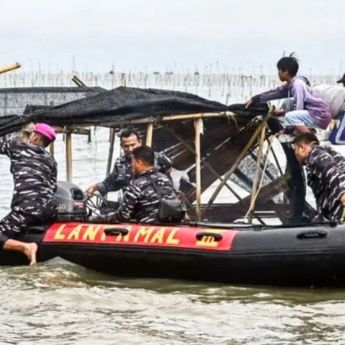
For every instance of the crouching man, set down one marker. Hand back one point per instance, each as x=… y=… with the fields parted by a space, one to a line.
x=150 y=196
x=34 y=175
x=325 y=173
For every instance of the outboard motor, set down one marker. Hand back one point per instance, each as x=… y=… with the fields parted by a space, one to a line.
x=70 y=201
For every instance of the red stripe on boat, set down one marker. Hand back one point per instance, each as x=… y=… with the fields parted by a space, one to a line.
x=141 y=235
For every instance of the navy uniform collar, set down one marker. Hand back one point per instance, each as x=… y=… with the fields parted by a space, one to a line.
x=147 y=172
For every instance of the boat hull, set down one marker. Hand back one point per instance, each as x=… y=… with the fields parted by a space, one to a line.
x=298 y=256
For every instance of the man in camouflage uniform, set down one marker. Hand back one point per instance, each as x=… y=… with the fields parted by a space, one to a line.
x=325 y=173
x=122 y=173
x=34 y=175
x=140 y=201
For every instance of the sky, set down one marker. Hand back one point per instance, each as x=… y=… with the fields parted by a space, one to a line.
x=241 y=36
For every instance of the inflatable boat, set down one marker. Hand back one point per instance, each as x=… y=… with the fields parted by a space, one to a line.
x=209 y=142
x=298 y=256
x=310 y=255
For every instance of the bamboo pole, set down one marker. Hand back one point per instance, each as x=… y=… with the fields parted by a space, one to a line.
x=111 y=150
x=234 y=166
x=255 y=194
x=149 y=133
x=257 y=174
x=68 y=145
x=151 y=119
x=195 y=116
x=198 y=127
x=76 y=80
x=168 y=118
x=51 y=149
x=9 y=67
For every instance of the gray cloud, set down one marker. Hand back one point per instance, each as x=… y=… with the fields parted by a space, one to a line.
x=159 y=34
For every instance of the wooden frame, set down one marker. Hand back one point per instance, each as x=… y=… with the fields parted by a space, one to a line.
x=10 y=67
x=259 y=134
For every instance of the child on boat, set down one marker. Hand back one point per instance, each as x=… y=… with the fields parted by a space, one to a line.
x=310 y=111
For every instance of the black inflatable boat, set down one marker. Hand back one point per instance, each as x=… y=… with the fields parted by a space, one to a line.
x=230 y=253
x=231 y=150
x=298 y=256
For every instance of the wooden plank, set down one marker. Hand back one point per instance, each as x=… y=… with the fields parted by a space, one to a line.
x=51 y=149
x=256 y=175
x=10 y=67
x=111 y=150
x=121 y=122
x=198 y=128
x=74 y=130
x=149 y=133
x=68 y=145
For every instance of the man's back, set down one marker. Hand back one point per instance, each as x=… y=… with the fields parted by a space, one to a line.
x=326 y=177
x=141 y=201
x=333 y=95
x=34 y=173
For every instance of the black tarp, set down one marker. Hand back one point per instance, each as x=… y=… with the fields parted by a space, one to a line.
x=221 y=143
x=120 y=104
x=14 y=100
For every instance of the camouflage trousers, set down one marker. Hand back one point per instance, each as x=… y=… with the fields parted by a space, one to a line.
x=15 y=222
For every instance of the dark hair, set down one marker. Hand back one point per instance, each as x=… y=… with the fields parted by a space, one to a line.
x=125 y=133
x=288 y=63
x=305 y=79
x=306 y=138
x=45 y=141
x=145 y=154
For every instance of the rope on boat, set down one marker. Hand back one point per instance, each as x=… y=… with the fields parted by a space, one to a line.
x=232 y=116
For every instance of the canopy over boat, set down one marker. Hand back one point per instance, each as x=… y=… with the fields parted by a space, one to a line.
x=118 y=106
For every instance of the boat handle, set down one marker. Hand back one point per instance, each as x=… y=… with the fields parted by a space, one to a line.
x=216 y=237
x=312 y=234
x=116 y=231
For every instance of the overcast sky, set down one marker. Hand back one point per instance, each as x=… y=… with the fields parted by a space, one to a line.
x=184 y=35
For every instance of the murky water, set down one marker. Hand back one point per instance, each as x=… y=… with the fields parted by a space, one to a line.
x=61 y=303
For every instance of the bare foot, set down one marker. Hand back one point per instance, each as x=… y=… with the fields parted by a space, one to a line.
x=31 y=251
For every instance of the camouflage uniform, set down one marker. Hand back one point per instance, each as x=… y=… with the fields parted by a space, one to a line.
x=122 y=173
x=326 y=177
x=34 y=176
x=140 y=200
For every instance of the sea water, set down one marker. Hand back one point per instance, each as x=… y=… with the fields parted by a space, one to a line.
x=61 y=303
